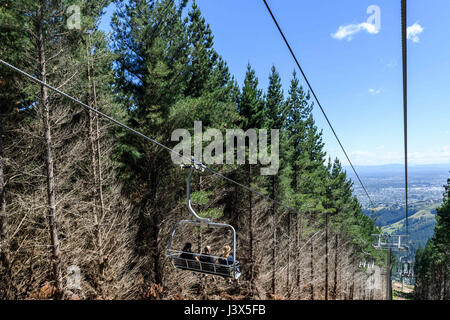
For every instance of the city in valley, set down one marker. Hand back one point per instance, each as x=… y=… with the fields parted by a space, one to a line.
x=386 y=187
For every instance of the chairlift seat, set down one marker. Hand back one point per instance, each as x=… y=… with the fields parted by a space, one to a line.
x=226 y=271
x=223 y=270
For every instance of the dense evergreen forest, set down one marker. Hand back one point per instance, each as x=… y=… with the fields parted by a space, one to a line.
x=432 y=263
x=77 y=191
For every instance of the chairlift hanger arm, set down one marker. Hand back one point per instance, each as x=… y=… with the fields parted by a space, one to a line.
x=188 y=188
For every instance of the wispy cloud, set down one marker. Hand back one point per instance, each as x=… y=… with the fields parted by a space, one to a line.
x=374 y=91
x=412 y=32
x=378 y=157
x=391 y=65
x=348 y=31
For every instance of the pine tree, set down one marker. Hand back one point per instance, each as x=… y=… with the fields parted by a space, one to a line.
x=441 y=237
x=171 y=78
x=152 y=47
x=202 y=55
x=275 y=108
x=299 y=109
x=57 y=55
x=10 y=99
x=250 y=106
x=431 y=266
x=274 y=119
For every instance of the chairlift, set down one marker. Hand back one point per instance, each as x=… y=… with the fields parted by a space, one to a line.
x=406 y=267
x=391 y=241
x=218 y=269
x=367 y=264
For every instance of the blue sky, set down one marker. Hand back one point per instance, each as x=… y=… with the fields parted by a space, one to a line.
x=357 y=79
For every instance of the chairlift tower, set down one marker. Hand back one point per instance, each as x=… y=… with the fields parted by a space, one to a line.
x=390 y=242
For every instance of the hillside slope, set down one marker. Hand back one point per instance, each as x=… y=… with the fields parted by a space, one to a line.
x=421 y=226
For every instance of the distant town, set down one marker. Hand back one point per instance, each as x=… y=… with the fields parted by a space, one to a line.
x=386 y=185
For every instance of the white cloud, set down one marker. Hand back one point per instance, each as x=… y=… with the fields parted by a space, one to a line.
x=431 y=156
x=412 y=32
x=360 y=153
x=374 y=92
x=359 y=157
x=441 y=155
x=347 y=31
x=391 y=65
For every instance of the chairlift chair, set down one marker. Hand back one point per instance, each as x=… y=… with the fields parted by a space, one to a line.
x=218 y=269
x=406 y=267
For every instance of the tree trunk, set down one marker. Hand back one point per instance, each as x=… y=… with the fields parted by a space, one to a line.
x=388 y=275
x=274 y=240
x=335 y=282
x=274 y=254
x=352 y=286
x=250 y=235
x=4 y=240
x=156 y=222
x=199 y=239
x=326 y=256
x=102 y=258
x=442 y=291
x=56 y=253
x=97 y=196
x=312 y=269
x=298 y=255
x=445 y=277
x=156 y=265
x=288 y=275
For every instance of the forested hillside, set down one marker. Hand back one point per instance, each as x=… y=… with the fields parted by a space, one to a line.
x=387 y=189
x=77 y=191
x=432 y=262
x=420 y=227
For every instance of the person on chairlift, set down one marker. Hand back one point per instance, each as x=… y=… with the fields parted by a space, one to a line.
x=206 y=255
x=228 y=259
x=187 y=252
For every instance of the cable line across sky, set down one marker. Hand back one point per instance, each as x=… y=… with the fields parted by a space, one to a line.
x=405 y=105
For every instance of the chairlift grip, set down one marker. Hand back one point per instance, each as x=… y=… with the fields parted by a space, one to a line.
x=203 y=221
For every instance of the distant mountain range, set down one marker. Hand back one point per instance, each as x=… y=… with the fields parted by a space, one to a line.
x=399 y=169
